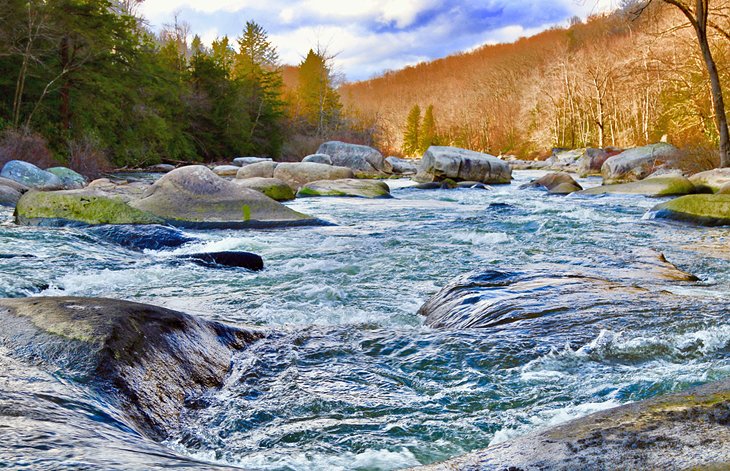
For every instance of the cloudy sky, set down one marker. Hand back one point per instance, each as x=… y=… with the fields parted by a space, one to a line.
x=372 y=36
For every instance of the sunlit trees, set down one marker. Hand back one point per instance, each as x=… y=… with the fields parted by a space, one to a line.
x=319 y=102
x=412 y=133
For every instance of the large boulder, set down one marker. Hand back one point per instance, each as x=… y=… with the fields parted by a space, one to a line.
x=400 y=166
x=257 y=170
x=272 y=187
x=77 y=207
x=706 y=210
x=711 y=181
x=19 y=187
x=9 y=196
x=226 y=170
x=686 y=430
x=297 y=174
x=71 y=180
x=244 y=161
x=346 y=187
x=556 y=183
x=144 y=360
x=661 y=185
x=195 y=197
x=318 y=159
x=361 y=159
x=592 y=160
x=439 y=163
x=31 y=176
x=637 y=163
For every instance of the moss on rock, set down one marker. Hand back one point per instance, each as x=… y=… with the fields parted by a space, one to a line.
x=709 y=210
x=77 y=206
x=346 y=187
x=657 y=186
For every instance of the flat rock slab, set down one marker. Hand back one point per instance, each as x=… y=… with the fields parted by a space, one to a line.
x=146 y=360
x=712 y=180
x=688 y=430
x=347 y=187
x=705 y=210
x=656 y=186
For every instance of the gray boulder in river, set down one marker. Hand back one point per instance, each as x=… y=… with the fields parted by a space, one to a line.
x=557 y=183
x=662 y=185
x=361 y=159
x=637 y=163
x=711 y=181
x=296 y=174
x=346 y=187
x=263 y=169
x=244 y=161
x=71 y=180
x=687 y=430
x=439 y=163
x=318 y=159
x=400 y=166
x=195 y=197
x=31 y=176
x=147 y=361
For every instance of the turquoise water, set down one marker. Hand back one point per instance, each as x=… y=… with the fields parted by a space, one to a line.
x=349 y=377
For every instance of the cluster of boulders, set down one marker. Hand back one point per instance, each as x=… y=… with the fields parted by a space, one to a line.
x=18 y=177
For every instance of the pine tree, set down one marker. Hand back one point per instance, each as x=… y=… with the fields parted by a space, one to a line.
x=319 y=102
x=427 y=131
x=411 y=136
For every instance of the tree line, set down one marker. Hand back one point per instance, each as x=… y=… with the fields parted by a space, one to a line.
x=623 y=79
x=87 y=83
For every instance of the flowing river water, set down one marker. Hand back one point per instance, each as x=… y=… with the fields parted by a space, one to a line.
x=349 y=377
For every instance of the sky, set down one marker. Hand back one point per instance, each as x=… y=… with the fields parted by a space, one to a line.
x=370 y=37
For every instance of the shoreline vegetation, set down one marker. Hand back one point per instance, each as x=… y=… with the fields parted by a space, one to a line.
x=88 y=88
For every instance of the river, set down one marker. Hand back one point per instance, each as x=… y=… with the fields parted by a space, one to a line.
x=349 y=377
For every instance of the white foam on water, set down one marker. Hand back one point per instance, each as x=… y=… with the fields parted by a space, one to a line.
x=481 y=238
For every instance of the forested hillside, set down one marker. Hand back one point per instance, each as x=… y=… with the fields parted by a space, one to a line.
x=624 y=79
x=89 y=84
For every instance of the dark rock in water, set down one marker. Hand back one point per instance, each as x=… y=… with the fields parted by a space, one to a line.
x=447 y=184
x=141 y=237
x=687 y=430
x=473 y=185
x=145 y=360
x=559 y=183
x=247 y=260
x=494 y=298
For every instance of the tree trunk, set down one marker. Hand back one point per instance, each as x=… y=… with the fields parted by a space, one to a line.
x=65 y=106
x=717 y=99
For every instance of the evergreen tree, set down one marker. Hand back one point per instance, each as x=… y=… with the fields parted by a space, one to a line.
x=412 y=134
x=427 y=136
x=319 y=102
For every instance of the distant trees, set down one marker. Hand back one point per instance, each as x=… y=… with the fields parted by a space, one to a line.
x=419 y=134
x=319 y=102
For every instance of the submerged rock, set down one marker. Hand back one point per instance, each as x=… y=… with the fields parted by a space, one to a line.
x=297 y=174
x=73 y=207
x=493 y=298
x=318 y=159
x=706 y=210
x=145 y=360
x=272 y=187
x=439 y=163
x=637 y=163
x=31 y=176
x=360 y=159
x=195 y=197
x=247 y=260
x=686 y=430
x=663 y=185
x=346 y=187
x=711 y=181
x=71 y=180
x=557 y=183
x=141 y=237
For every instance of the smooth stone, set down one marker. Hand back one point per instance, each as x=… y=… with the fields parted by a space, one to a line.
x=318 y=159
x=161 y=168
x=637 y=163
x=400 y=166
x=703 y=209
x=141 y=237
x=711 y=181
x=226 y=170
x=195 y=197
x=439 y=163
x=654 y=186
x=257 y=170
x=19 y=187
x=71 y=180
x=724 y=189
x=361 y=159
x=247 y=260
x=9 y=196
x=592 y=160
x=272 y=187
x=346 y=187
x=685 y=430
x=77 y=207
x=126 y=191
x=31 y=176
x=244 y=161
x=559 y=183
x=144 y=360
x=297 y=174
x=447 y=184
